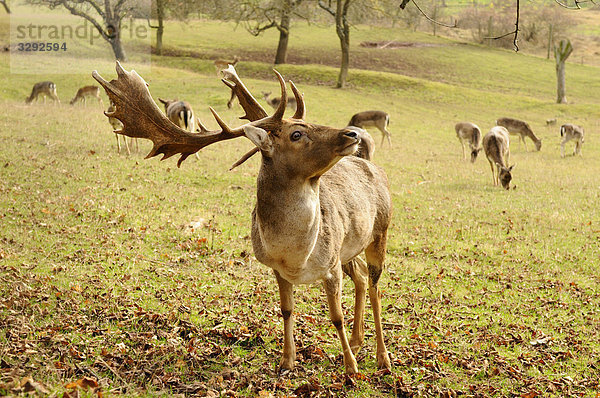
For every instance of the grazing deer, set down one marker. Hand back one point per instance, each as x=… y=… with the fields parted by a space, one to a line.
x=180 y=113
x=316 y=207
x=471 y=134
x=497 y=150
x=570 y=132
x=520 y=128
x=275 y=101
x=117 y=126
x=87 y=91
x=221 y=64
x=378 y=119
x=366 y=147
x=45 y=89
x=550 y=122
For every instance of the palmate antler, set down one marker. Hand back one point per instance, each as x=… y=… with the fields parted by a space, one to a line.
x=142 y=118
x=252 y=107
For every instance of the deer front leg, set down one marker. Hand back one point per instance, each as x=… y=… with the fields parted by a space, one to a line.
x=118 y=143
x=357 y=270
x=286 y=301
x=463 y=148
x=333 y=288
x=493 y=172
x=524 y=143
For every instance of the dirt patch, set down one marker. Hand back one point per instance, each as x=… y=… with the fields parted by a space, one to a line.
x=395 y=44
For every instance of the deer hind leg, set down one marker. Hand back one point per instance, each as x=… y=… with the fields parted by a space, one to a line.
x=127 y=146
x=562 y=148
x=333 y=288
x=463 y=148
x=286 y=301
x=375 y=254
x=357 y=270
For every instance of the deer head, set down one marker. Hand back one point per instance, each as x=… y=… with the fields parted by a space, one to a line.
x=504 y=175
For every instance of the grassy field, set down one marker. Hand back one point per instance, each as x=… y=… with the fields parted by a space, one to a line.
x=487 y=293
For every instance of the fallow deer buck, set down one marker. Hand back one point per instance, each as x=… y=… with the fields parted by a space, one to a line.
x=275 y=101
x=45 y=89
x=520 y=128
x=471 y=134
x=496 y=145
x=316 y=207
x=87 y=91
x=378 y=119
x=117 y=126
x=570 y=132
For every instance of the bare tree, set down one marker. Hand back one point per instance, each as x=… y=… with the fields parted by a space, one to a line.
x=342 y=28
x=561 y=53
x=105 y=16
x=159 y=12
x=258 y=16
x=5 y=4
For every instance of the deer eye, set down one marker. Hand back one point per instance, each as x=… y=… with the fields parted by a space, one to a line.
x=296 y=135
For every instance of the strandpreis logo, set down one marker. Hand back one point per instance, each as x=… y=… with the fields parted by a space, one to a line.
x=59 y=42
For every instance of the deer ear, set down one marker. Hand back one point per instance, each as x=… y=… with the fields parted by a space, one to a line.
x=260 y=138
x=511 y=167
x=479 y=150
x=163 y=101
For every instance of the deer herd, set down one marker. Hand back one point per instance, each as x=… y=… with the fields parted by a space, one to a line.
x=320 y=201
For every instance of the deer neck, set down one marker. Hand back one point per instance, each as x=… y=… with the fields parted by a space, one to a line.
x=286 y=220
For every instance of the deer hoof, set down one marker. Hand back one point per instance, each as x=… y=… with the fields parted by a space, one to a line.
x=383 y=361
x=351 y=367
x=286 y=365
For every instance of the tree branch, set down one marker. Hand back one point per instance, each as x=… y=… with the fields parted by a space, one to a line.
x=327 y=8
x=79 y=13
x=404 y=2
x=515 y=32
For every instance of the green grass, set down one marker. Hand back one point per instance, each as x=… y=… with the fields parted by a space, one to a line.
x=101 y=278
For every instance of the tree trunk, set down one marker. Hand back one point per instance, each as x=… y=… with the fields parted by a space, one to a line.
x=117 y=47
x=284 y=35
x=561 y=89
x=5 y=6
x=343 y=31
x=345 y=44
x=160 y=16
x=561 y=53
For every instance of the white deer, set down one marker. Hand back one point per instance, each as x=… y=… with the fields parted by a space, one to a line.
x=496 y=145
x=571 y=132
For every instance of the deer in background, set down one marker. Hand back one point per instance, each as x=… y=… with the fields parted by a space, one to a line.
x=317 y=208
x=570 y=132
x=520 y=128
x=221 y=64
x=496 y=145
x=377 y=119
x=471 y=134
x=87 y=91
x=180 y=113
x=118 y=126
x=45 y=89
x=275 y=101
